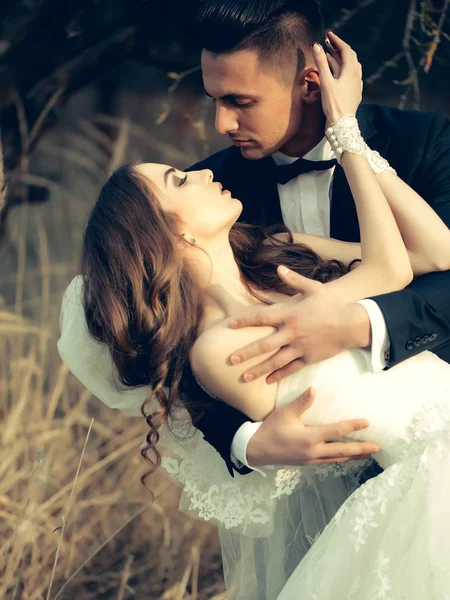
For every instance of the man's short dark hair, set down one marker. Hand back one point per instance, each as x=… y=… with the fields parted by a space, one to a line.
x=274 y=28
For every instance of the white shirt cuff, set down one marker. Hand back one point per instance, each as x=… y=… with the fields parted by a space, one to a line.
x=380 y=338
x=240 y=443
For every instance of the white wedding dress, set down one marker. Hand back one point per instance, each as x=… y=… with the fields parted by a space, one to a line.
x=315 y=527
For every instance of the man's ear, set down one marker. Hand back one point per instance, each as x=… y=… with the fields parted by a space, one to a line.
x=311 y=83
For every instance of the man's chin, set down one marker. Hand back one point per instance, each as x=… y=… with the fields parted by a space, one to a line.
x=254 y=153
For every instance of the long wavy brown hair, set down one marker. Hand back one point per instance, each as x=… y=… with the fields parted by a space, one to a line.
x=140 y=299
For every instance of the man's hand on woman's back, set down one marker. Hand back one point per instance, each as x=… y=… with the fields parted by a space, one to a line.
x=283 y=439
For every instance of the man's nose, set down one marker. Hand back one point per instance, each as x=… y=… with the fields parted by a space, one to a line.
x=226 y=120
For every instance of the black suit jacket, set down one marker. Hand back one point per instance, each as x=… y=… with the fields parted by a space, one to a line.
x=417 y=145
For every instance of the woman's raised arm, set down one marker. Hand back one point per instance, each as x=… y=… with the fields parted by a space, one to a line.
x=385 y=265
x=424 y=235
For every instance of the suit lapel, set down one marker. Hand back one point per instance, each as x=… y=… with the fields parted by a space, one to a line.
x=343 y=217
x=266 y=192
x=254 y=183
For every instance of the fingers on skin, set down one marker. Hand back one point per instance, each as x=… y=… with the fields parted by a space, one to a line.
x=334 y=66
x=347 y=53
x=338 y=42
x=268 y=344
x=272 y=342
x=334 y=53
x=322 y=63
x=274 y=363
x=292 y=367
x=257 y=319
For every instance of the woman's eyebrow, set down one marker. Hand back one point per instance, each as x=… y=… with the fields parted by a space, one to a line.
x=167 y=173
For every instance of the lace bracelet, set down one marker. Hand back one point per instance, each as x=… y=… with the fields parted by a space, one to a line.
x=345 y=136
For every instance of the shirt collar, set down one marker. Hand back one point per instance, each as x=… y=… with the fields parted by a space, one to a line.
x=322 y=151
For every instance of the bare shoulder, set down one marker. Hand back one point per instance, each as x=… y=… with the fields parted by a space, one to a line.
x=210 y=363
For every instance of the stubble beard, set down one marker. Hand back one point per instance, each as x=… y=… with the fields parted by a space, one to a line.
x=256 y=153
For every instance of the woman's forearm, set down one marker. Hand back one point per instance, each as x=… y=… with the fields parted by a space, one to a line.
x=385 y=265
x=328 y=248
x=426 y=236
x=382 y=246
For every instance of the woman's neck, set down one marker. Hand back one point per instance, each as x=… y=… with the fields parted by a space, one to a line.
x=218 y=276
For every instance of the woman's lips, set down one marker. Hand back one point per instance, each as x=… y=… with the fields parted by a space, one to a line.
x=222 y=191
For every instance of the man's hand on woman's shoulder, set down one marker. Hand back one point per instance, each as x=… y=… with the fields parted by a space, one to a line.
x=313 y=325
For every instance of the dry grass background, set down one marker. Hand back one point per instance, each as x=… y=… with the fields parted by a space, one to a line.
x=75 y=521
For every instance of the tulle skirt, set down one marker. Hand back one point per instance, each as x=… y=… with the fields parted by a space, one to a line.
x=266 y=524
x=390 y=540
x=317 y=528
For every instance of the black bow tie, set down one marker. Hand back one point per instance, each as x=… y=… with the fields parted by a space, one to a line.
x=287 y=172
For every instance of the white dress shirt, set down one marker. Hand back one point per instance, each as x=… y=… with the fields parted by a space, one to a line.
x=305 y=206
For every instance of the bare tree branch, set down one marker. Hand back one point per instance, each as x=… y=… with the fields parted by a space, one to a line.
x=349 y=14
x=178 y=78
x=436 y=37
x=413 y=78
x=388 y=64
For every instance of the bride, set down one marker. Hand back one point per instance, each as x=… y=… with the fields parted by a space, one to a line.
x=166 y=268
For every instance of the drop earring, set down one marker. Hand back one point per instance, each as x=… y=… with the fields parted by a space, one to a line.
x=188 y=239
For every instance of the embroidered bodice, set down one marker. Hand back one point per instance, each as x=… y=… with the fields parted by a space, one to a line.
x=398 y=403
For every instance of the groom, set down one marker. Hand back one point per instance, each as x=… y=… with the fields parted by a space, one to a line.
x=258 y=69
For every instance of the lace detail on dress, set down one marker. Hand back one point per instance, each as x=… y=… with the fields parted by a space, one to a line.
x=381 y=569
x=373 y=502
x=391 y=538
x=246 y=502
x=241 y=501
x=431 y=420
x=286 y=480
x=373 y=497
x=227 y=503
